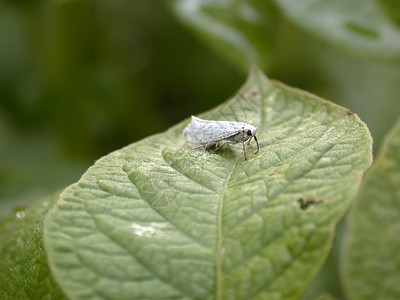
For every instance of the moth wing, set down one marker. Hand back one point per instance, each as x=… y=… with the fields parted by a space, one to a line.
x=194 y=131
x=196 y=120
x=224 y=136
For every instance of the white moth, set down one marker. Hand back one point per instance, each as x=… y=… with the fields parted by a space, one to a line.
x=208 y=133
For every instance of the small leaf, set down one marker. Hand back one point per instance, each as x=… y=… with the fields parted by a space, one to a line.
x=371 y=265
x=158 y=219
x=24 y=273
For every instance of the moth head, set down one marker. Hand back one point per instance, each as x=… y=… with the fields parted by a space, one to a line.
x=251 y=131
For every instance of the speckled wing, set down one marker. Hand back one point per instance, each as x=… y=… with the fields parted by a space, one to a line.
x=208 y=132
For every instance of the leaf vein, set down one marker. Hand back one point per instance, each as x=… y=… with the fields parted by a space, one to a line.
x=192 y=238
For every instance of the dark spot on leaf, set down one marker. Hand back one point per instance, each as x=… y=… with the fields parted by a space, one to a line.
x=255 y=94
x=350 y=113
x=305 y=203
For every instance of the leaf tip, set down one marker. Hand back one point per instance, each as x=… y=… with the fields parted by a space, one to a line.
x=255 y=71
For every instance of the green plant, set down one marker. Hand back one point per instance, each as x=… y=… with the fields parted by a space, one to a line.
x=158 y=219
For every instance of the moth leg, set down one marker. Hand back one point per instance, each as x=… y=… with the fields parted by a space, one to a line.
x=206 y=145
x=219 y=145
x=258 y=146
x=202 y=146
x=244 y=150
x=248 y=141
x=209 y=143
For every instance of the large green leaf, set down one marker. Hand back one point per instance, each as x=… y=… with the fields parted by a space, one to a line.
x=371 y=265
x=24 y=273
x=158 y=219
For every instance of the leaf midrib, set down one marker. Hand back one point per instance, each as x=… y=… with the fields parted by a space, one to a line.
x=219 y=252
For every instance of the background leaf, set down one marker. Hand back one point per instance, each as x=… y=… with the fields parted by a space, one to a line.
x=24 y=273
x=159 y=219
x=358 y=26
x=392 y=8
x=325 y=296
x=371 y=265
x=106 y=74
x=247 y=31
x=242 y=31
x=30 y=168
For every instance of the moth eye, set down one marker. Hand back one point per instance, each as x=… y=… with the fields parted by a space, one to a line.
x=248 y=132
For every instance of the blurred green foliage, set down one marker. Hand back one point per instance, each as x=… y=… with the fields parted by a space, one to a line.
x=24 y=270
x=81 y=78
